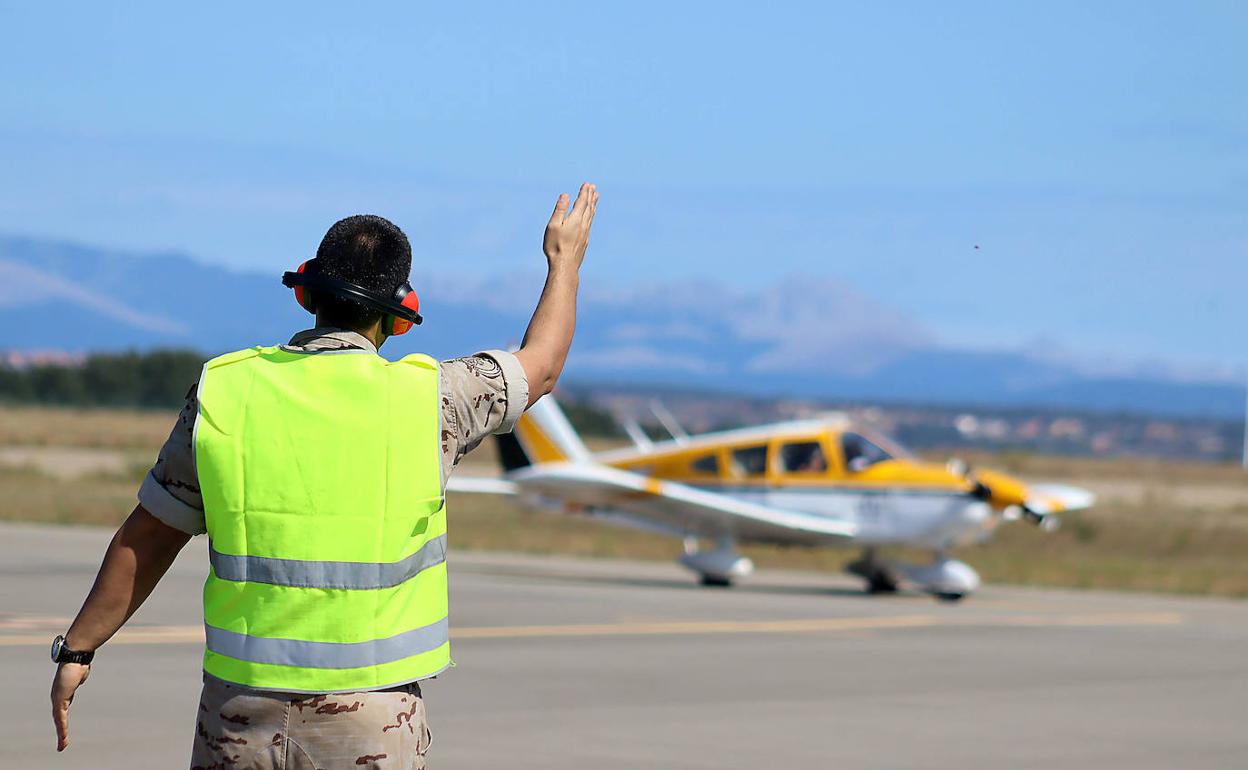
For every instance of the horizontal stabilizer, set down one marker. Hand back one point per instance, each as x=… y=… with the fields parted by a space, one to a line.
x=480 y=485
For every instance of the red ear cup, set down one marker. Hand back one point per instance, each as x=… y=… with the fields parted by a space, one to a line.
x=410 y=300
x=301 y=293
x=405 y=296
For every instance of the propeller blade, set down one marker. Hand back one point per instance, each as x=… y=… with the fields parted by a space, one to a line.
x=1050 y=498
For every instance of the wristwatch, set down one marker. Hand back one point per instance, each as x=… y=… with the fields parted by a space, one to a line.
x=62 y=654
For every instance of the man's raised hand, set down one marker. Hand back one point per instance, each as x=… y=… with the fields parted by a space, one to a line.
x=567 y=233
x=545 y=347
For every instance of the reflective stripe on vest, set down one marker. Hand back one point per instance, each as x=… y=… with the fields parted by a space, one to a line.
x=322 y=487
x=296 y=652
x=354 y=575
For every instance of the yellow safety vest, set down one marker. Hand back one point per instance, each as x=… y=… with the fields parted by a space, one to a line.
x=322 y=487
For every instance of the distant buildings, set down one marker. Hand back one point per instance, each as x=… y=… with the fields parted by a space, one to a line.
x=936 y=427
x=24 y=359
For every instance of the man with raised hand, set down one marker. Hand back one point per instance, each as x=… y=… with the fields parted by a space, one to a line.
x=318 y=470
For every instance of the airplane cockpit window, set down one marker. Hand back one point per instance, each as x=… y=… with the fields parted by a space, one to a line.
x=803 y=457
x=749 y=461
x=861 y=453
x=708 y=464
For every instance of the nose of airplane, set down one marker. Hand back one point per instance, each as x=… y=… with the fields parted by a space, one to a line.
x=1036 y=502
x=1002 y=491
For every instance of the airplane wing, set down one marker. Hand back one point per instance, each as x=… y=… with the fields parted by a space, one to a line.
x=665 y=505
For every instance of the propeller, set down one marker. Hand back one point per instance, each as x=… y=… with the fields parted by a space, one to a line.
x=1046 y=521
x=1037 y=503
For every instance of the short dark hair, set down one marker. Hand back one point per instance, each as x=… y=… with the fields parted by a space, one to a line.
x=369 y=251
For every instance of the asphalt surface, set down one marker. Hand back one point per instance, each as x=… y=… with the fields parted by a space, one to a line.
x=582 y=664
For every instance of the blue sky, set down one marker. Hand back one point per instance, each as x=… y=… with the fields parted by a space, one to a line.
x=1097 y=153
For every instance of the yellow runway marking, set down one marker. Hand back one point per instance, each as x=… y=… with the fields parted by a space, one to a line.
x=195 y=634
x=815 y=625
x=135 y=635
x=32 y=622
x=695 y=627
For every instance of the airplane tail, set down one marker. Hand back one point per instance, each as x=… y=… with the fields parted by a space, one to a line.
x=542 y=435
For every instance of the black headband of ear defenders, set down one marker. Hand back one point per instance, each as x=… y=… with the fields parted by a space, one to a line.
x=349 y=290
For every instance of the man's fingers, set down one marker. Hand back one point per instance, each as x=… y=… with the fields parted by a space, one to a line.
x=582 y=201
x=561 y=209
x=60 y=717
x=69 y=677
x=587 y=215
x=583 y=215
x=593 y=207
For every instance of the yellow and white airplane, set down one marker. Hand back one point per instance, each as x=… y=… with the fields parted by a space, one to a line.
x=811 y=482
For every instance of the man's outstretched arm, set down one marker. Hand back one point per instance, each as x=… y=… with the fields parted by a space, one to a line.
x=549 y=336
x=134 y=563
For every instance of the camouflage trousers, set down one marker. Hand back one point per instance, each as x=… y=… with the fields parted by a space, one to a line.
x=242 y=729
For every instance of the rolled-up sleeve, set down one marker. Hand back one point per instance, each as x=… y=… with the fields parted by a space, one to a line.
x=516 y=390
x=170 y=492
x=481 y=394
x=157 y=500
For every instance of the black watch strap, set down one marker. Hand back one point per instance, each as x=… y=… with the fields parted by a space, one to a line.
x=62 y=654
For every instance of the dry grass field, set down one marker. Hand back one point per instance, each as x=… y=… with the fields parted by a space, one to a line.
x=1158 y=525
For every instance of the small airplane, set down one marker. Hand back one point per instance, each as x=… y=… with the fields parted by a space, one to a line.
x=818 y=482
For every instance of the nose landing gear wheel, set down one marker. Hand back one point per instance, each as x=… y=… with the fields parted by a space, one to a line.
x=715 y=581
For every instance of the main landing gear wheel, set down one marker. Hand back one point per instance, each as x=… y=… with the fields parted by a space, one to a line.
x=949 y=596
x=880 y=579
x=881 y=583
x=717 y=567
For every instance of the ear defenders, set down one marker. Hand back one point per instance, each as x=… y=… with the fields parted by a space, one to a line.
x=399 y=312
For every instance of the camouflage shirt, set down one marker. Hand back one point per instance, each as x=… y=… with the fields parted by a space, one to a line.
x=481 y=394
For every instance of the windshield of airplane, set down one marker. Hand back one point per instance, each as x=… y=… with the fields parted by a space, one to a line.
x=861 y=453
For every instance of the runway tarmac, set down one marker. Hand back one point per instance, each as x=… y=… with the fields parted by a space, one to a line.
x=568 y=663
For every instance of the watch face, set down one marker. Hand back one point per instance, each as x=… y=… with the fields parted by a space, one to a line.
x=57 y=644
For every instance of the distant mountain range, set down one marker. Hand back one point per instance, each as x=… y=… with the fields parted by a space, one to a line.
x=806 y=338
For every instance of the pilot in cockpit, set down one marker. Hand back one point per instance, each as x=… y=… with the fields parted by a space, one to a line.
x=861 y=453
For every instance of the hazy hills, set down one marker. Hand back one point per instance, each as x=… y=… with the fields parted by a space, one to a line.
x=799 y=337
